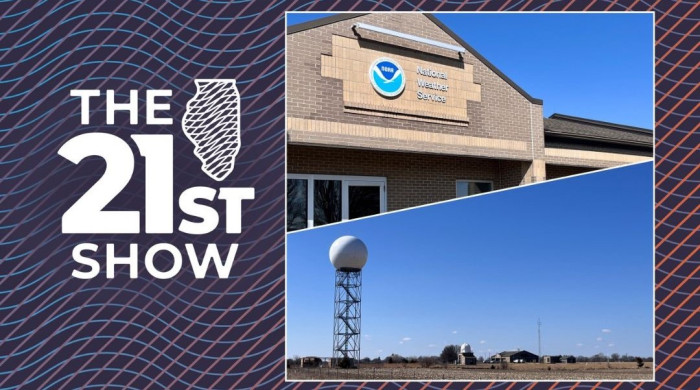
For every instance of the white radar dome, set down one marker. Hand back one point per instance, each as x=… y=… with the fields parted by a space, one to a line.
x=465 y=348
x=348 y=252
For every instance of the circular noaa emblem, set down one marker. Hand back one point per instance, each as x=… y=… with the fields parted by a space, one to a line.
x=387 y=77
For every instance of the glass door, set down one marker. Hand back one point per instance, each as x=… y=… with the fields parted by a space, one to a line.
x=316 y=200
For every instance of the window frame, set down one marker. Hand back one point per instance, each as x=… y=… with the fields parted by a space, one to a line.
x=346 y=181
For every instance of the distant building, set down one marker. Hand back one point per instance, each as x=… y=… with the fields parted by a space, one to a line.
x=311 y=361
x=466 y=356
x=558 y=359
x=515 y=357
x=547 y=359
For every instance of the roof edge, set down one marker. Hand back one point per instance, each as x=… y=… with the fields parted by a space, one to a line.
x=649 y=145
x=345 y=16
x=601 y=123
x=483 y=59
x=295 y=28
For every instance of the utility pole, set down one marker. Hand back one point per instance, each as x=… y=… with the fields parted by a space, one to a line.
x=539 y=340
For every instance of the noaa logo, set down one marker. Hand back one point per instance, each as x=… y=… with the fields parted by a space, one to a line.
x=387 y=77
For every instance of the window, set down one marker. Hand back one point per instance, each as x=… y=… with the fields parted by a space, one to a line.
x=315 y=200
x=473 y=187
x=297 y=203
x=327 y=201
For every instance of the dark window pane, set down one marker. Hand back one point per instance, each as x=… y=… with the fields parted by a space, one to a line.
x=327 y=201
x=364 y=201
x=466 y=188
x=477 y=187
x=297 y=195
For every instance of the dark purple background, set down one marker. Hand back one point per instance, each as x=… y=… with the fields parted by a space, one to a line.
x=58 y=331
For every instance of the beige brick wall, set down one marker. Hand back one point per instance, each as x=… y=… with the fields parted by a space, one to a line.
x=412 y=179
x=352 y=58
x=590 y=159
x=318 y=132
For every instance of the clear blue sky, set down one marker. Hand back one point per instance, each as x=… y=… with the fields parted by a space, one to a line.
x=577 y=253
x=597 y=66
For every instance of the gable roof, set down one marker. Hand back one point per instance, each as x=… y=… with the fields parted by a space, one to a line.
x=346 y=16
x=511 y=353
x=568 y=126
x=507 y=354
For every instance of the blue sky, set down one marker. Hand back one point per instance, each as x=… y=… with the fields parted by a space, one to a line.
x=592 y=65
x=576 y=253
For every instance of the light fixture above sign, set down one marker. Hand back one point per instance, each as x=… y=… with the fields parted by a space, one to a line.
x=410 y=37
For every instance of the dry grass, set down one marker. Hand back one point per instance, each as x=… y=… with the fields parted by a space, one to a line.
x=522 y=371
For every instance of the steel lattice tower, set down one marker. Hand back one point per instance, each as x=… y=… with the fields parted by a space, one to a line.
x=347 y=316
x=348 y=255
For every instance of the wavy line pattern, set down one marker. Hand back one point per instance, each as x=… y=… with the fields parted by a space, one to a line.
x=58 y=331
x=211 y=333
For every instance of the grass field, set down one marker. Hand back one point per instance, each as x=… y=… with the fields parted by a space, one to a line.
x=521 y=371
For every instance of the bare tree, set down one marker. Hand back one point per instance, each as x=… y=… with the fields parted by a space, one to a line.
x=449 y=353
x=428 y=361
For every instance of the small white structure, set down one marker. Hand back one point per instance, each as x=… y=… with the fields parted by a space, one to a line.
x=466 y=356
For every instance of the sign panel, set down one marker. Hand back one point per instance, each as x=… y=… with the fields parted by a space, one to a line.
x=401 y=83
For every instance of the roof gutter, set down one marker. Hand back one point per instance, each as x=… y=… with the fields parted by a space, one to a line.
x=634 y=129
x=604 y=139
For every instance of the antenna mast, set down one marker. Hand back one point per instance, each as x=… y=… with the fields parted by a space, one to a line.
x=539 y=340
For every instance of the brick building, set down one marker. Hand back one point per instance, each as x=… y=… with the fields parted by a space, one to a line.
x=553 y=359
x=393 y=110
